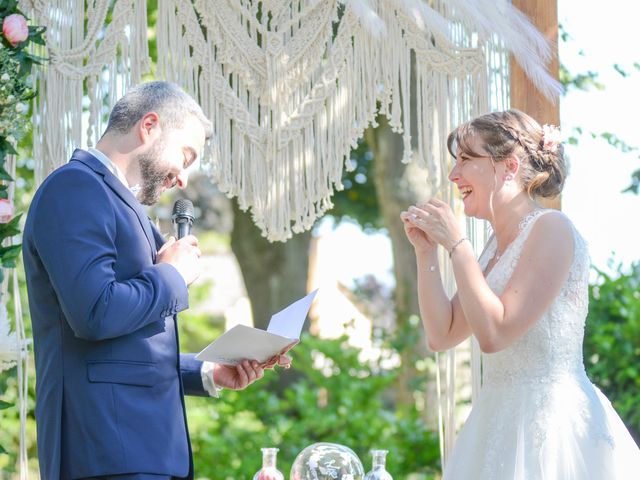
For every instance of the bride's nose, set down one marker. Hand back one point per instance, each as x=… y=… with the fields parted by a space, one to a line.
x=454 y=175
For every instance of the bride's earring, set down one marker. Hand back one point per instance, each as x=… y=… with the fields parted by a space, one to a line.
x=508 y=178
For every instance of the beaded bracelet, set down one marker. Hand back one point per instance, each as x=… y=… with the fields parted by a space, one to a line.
x=453 y=247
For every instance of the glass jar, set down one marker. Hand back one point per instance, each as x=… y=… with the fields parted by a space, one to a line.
x=379 y=471
x=269 y=470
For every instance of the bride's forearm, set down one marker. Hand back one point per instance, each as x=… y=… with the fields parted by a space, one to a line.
x=482 y=308
x=435 y=305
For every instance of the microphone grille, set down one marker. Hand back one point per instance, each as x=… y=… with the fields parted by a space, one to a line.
x=182 y=208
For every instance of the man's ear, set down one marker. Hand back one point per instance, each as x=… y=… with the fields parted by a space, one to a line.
x=149 y=126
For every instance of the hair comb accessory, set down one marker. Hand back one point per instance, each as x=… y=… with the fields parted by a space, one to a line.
x=550 y=137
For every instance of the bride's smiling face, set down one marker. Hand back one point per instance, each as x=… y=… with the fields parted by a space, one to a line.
x=475 y=175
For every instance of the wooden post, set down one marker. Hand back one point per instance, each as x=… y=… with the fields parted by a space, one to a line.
x=524 y=96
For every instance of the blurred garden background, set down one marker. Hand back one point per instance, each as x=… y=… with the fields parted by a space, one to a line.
x=362 y=375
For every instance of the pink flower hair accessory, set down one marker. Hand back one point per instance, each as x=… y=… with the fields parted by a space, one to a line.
x=15 y=29
x=551 y=137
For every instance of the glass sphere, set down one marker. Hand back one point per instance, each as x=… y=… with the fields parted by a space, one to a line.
x=327 y=461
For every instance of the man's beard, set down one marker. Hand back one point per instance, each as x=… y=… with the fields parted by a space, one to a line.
x=153 y=172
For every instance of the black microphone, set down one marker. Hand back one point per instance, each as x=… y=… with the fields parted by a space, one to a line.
x=182 y=217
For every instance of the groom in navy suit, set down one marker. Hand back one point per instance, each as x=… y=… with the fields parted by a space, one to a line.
x=104 y=290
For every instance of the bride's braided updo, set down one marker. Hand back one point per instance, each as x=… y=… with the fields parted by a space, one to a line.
x=542 y=165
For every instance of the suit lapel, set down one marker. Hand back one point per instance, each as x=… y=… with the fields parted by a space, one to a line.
x=120 y=190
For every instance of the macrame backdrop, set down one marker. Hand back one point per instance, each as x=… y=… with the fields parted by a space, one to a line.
x=290 y=86
x=95 y=50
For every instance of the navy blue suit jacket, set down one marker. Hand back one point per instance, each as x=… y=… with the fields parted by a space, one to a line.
x=109 y=377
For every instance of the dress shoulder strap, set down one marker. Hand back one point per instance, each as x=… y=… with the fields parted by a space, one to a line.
x=525 y=227
x=530 y=219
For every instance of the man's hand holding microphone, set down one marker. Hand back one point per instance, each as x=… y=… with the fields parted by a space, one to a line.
x=183 y=253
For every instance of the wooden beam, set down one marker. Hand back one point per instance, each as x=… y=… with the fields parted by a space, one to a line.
x=524 y=96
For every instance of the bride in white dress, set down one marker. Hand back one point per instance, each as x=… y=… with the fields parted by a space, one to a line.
x=538 y=416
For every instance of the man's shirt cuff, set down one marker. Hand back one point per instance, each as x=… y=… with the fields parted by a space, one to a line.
x=207 y=379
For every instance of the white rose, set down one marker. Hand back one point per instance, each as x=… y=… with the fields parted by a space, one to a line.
x=20 y=107
x=5 y=77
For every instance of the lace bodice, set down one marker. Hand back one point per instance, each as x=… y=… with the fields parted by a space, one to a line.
x=553 y=346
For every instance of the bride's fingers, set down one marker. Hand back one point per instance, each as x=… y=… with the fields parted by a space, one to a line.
x=432 y=209
x=405 y=216
x=416 y=213
x=437 y=202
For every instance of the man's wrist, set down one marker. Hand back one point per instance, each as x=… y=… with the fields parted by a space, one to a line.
x=208 y=381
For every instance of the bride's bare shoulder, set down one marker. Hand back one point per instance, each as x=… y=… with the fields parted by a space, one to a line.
x=552 y=233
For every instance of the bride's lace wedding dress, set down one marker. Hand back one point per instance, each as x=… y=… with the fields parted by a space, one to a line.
x=538 y=416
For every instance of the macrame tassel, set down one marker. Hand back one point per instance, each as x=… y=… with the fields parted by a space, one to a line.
x=86 y=54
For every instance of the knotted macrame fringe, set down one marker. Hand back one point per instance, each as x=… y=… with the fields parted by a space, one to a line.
x=89 y=67
x=291 y=87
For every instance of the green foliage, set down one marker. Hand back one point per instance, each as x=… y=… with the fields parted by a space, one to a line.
x=580 y=81
x=612 y=342
x=340 y=399
x=358 y=200
x=10 y=425
x=635 y=183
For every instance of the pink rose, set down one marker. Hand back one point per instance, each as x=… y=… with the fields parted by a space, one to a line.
x=551 y=137
x=15 y=29
x=6 y=210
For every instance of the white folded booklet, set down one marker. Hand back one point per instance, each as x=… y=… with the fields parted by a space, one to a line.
x=242 y=342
